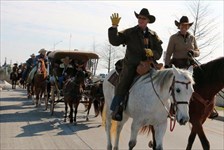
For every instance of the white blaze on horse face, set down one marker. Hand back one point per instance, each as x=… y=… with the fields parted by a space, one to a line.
x=39 y=68
x=183 y=90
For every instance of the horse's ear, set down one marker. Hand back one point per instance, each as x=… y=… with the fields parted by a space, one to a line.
x=175 y=71
x=191 y=69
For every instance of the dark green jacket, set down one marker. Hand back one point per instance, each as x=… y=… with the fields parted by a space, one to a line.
x=133 y=38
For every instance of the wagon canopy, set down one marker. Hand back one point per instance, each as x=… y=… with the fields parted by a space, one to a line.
x=59 y=54
x=90 y=58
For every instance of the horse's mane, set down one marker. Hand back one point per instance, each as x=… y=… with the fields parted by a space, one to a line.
x=161 y=77
x=209 y=73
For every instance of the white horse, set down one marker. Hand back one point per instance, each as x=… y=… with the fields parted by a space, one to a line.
x=148 y=103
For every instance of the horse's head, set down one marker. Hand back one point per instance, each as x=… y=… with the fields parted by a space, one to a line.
x=41 y=66
x=181 y=91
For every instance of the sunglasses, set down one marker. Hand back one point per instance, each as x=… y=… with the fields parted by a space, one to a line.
x=142 y=18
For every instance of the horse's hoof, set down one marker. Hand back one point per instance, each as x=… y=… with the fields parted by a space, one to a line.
x=87 y=119
x=109 y=147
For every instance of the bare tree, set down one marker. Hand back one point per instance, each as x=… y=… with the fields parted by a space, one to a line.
x=204 y=27
x=110 y=55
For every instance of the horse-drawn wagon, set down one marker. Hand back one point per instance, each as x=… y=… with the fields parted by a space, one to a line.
x=79 y=61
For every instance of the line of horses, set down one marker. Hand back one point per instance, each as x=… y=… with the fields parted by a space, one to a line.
x=149 y=100
x=73 y=90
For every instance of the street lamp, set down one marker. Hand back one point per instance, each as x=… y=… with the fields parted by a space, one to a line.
x=56 y=44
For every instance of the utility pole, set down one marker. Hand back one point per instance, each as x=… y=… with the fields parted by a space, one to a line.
x=109 y=59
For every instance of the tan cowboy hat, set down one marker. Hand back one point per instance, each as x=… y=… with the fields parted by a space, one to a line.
x=42 y=51
x=183 y=20
x=66 y=60
x=33 y=55
x=145 y=12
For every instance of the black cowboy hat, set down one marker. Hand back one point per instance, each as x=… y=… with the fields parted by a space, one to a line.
x=183 y=20
x=15 y=64
x=145 y=12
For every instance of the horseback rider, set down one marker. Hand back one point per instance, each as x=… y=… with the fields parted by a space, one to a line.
x=29 y=66
x=183 y=47
x=141 y=42
x=66 y=70
x=14 y=70
x=42 y=54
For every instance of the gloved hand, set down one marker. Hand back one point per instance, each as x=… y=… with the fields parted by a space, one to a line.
x=149 y=52
x=190 y=53
x=115 y=19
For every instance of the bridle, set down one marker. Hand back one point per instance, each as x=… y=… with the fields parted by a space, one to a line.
x=172 y=89
x=172 y=115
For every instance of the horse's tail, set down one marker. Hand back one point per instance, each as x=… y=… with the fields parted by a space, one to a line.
x=146 y=129
x=113 y=123
x=96 y=105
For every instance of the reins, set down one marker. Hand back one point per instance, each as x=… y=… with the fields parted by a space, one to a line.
x=175 y=102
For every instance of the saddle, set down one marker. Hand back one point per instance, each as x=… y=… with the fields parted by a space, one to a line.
x=143 y=68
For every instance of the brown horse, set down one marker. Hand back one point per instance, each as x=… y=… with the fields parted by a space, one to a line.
x=72 y=90
x=209 y=80
x=40 y=82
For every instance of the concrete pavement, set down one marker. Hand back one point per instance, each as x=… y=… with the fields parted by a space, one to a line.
x=22 y=126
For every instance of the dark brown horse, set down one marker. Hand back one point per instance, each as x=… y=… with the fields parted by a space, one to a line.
x=14 y=79
x=40 y=82
x=94 y=95
x=209 y=80
x=72 y=90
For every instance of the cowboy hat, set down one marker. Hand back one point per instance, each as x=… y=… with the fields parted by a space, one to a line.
x=33 y=55
x=66 y=60
x=145 y=12
x=15 y=64
x=42 y=51
x=183 y=20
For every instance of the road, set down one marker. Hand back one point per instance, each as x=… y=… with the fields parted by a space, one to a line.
x=22 y=126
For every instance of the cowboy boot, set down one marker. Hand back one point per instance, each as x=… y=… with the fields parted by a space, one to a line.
x=117 y=108
x=117 y=113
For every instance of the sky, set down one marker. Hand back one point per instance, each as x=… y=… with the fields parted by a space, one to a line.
x=27 y=26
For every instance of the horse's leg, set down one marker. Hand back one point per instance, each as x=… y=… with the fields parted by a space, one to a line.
x=66 y=109
x=134 y=132
x=71 y=110
x=108 y=120
x=152 y=144
x=37 y=97
x=204 y=141
x=88 y=109
x=76 y=110
x=118 y=131
x=191 y=138
x=160 y=130
x=46 y=98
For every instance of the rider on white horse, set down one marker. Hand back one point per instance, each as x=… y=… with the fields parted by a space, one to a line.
x=138 y=39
